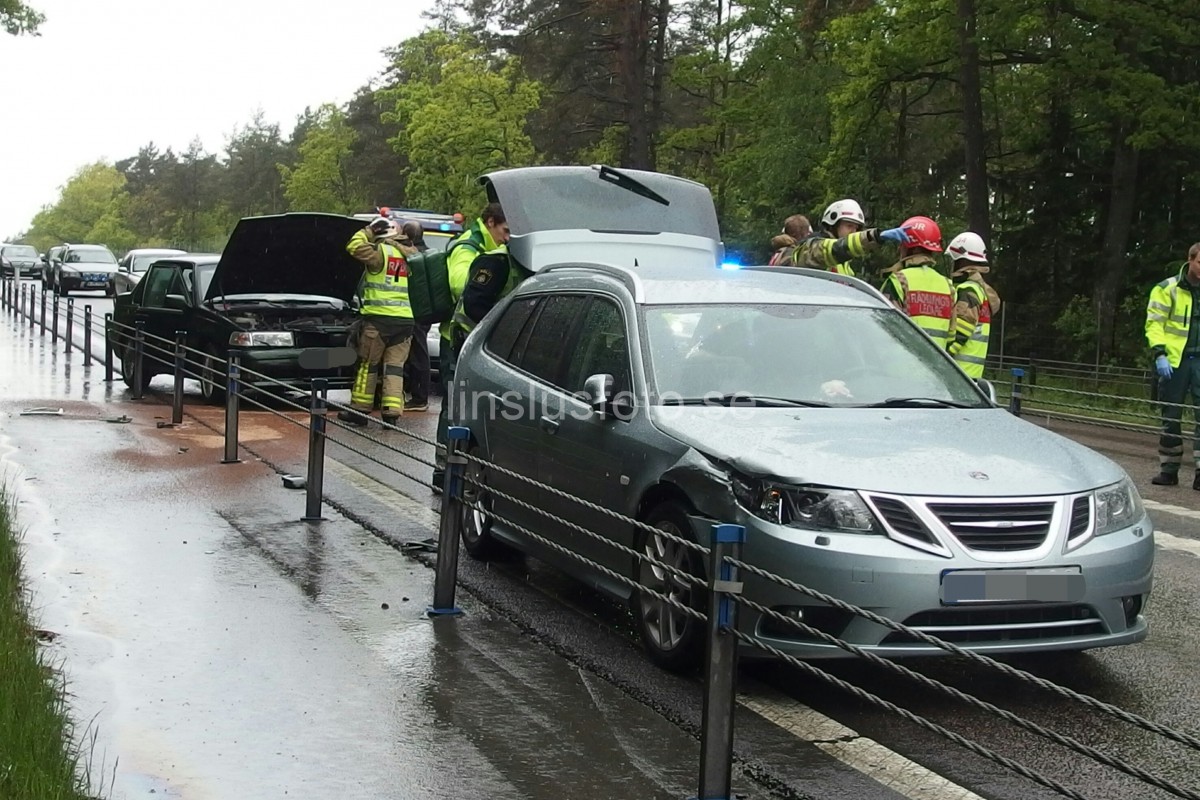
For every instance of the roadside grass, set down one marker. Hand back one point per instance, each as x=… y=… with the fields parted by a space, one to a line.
x=38 y=757
x=1118 y=401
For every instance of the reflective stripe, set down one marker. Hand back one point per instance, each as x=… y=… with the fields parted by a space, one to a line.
x=1159 y=306
x=1182 y=320
x=970 y=359
x=935 y=333
x=1175 y=330
x=1156 y=317
x=393 y=303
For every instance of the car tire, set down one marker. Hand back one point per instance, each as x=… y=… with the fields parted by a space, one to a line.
x=673 y=639
x=212 y=378
x=476 y=527
x=127 y=359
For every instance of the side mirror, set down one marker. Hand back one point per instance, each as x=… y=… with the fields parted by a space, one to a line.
x=597 y=392
x=177 y=302
x=988 y=388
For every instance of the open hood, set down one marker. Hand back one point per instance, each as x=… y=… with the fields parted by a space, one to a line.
x=289 y=254
x=599 y=214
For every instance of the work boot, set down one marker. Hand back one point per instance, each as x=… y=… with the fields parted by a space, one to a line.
x=1168 y=479
x=353 y=418
x=391 y=419
x=416 y=406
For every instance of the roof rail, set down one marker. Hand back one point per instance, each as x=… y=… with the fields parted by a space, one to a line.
x=845 y=280
x=625 y=275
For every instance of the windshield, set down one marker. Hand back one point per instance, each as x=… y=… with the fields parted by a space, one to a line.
x=142 y=263
x=20 y=251
x=90 y=257
x=437 y=241
x=808 y=354
x=204 y=274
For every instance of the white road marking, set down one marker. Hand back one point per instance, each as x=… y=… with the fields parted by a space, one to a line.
x=1183 y=544
x=384 y=493
x=890 y=769
x=1178 y=511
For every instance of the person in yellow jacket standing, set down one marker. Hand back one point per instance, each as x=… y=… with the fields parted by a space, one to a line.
x=1173 y=334
x=487 y=233
x=976 y=303
x=915 y=286
x=385 y=327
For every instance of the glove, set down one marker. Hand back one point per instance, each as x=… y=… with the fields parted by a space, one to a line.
x=1163 y=366
x=894 y=235
x=381 y=226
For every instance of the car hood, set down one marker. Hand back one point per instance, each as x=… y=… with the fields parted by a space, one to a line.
x=289 y=254
x=946 y=452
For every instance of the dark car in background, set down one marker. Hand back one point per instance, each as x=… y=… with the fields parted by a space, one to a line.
x=282 y=295
x=19 y=260
x=82 y=267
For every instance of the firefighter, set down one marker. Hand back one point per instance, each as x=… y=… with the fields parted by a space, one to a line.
x=1175 y=344
x=915 y=286
x=384 y=329
x=844 y=235
x=796 y=229
x=487 y=233
x=417 y=369
x=976 y=303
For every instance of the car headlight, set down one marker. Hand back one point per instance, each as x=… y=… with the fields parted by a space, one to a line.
x=262 y=339
x=1117 y=507
x=810 y=507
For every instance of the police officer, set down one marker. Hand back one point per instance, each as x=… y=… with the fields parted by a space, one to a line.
x=1173 y=334
x=975 y=302
x=915 y=286
x=844 y=235
x=486 y=233
x=385 y=326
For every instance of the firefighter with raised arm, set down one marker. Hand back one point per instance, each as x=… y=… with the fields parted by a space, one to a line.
x=385 y=325
x=844 y=235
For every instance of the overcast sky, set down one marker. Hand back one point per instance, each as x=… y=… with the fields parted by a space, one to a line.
x=105 y=78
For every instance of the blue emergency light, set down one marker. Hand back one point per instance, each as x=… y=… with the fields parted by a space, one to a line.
x=730 y=265
x=445 y=226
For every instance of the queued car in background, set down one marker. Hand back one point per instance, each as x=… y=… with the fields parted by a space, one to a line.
x=282 y=294
x=19 y=260
x=133 y=266
x=634 y=372
x=80 y=267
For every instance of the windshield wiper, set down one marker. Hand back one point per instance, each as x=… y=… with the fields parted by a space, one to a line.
x=737 y=397
x=917 y=402
x=630 y=184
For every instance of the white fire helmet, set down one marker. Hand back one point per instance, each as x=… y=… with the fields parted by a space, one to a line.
x=843 y=209
x=968 y=246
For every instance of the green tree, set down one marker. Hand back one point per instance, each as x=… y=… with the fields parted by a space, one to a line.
x=17 y=18
x=321 y=179
x=461 y=115
x=87 y=207
x=251 y=175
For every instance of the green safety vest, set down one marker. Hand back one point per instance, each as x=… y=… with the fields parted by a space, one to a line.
x=928 y=299
x=385 y=293
x=973 y=355
x=1169 y=317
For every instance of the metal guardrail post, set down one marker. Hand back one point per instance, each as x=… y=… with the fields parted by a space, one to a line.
x=139 y=353
x=70 y=337
x=43 y=313
x=21 y=302
x=231 y=409
x=315 y=481
x=446 y=573
x=720 y=666
x=87 y=335
x=54 y=330
x=31 y=316
x=1014 y=403
x=108 y=348
x=177 y=398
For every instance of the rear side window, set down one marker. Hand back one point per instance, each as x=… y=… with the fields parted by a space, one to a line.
x=504 y=336
x=542 y=353
x=602 y=347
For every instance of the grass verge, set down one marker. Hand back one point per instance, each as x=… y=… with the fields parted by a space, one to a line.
x=38 y=759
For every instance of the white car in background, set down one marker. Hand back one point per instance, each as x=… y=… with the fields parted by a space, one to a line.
x=133 y=266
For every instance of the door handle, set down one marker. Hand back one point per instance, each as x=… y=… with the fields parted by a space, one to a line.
x=507 y=405
x=549 y=425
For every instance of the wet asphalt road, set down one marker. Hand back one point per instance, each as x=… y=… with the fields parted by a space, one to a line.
x=590 y=640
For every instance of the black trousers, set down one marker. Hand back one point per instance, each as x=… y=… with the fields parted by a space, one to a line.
x=416 y=369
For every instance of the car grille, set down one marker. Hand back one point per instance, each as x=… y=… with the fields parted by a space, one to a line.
x=1008 y=624
x=1081 y=517
x=897 y=514
x=997 y=527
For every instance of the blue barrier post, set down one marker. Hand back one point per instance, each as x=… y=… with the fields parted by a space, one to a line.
x=446 y=573
x=720 y=666
x=232 y=390
x=1014 y=403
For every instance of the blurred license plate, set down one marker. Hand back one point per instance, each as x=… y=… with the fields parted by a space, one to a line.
x=1048 y=585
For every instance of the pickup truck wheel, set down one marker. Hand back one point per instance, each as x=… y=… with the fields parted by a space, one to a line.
x=212 y=378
